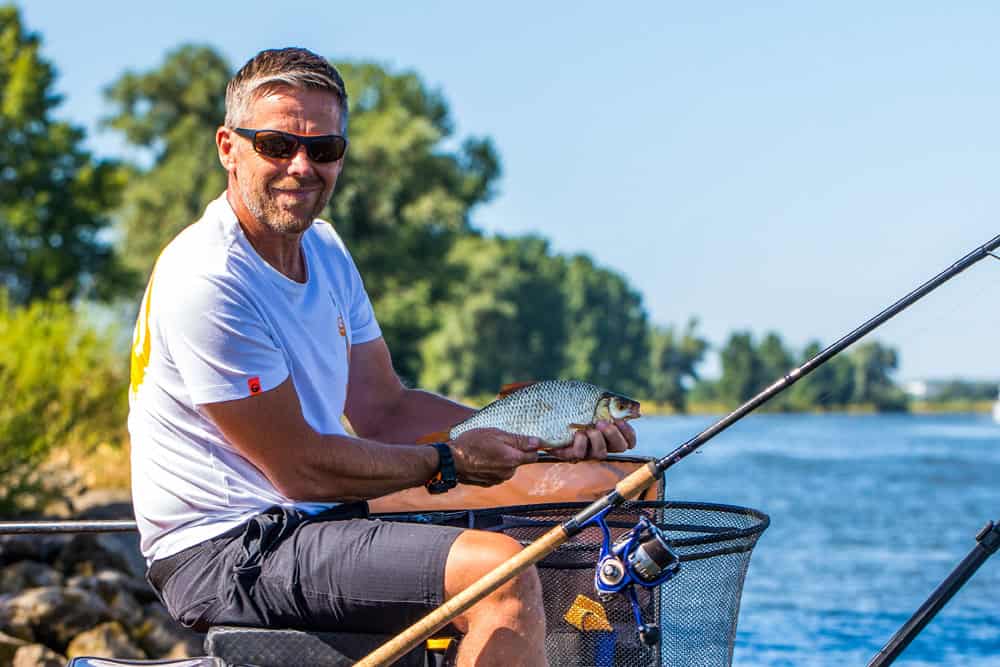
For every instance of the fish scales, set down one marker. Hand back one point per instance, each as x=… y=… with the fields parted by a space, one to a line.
x=543 y=410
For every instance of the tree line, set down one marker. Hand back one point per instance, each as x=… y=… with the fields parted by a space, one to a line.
x=464 y=312
x=860 y=377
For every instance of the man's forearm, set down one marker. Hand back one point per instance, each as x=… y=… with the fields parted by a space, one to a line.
x=342 y=468
x=415 y=414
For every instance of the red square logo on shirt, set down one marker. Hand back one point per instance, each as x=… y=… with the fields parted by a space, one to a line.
x=254 y=384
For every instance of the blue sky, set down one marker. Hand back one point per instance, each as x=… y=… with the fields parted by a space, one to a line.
x=785 y=166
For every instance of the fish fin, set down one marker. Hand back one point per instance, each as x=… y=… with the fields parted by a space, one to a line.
x=579 y=427
x=509 y=389
x=437 y=436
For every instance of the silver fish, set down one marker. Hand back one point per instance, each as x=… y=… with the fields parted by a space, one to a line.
x=551 y=410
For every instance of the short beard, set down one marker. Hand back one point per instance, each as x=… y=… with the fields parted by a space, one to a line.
x=277 y=219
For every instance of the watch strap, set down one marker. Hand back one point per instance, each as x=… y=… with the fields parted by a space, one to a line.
x=445 y=478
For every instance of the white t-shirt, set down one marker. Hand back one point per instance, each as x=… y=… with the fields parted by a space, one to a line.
x=219 y=323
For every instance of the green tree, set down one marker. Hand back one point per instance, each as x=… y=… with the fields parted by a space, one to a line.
x=829 y=386
x=964 y=390
x=404 y=198
x=171 y=114
x=64 y=383
x=873 y=365
x=742 y=375
x=503 y=321
x=774 y=361
x=54 y=196
x=606 y=328
x=674 y=358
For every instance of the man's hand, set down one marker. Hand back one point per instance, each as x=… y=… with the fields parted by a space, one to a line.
x=488 y=456
x=596 y=443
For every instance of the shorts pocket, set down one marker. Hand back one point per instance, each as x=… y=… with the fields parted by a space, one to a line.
x=198 y=615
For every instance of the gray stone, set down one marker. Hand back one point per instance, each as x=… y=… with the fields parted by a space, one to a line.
x=105 y=504
x=36 y=655
x=86 y=553
x=41 y=548
x=28 y=574
x=107 y=640
x=125 y=609
x=163 y=637
x=54 y=615
x=107 y=583
x=8 y=647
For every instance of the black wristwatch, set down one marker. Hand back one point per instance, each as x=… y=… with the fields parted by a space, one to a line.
x=445 y=477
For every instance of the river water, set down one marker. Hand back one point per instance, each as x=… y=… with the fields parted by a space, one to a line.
x=869 y=514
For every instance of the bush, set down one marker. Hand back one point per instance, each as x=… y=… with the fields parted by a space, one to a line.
x=63 y=385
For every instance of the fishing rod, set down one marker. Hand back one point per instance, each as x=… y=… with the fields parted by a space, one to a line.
x=987 y=543
x=645 y=477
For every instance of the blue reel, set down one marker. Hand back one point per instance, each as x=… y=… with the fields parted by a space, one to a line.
x=640 y=557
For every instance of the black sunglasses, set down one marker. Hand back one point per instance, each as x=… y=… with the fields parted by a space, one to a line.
x=283 y=145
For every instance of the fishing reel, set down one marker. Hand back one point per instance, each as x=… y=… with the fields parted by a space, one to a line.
x=640 y=557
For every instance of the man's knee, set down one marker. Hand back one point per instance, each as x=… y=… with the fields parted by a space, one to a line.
x=476 y=553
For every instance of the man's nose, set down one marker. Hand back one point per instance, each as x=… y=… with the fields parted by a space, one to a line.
x=300 y=163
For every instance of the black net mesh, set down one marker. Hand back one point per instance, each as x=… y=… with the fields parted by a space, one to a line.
x=696 y=610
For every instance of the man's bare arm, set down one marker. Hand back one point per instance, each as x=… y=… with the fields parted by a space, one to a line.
x=271 y=432
x=380 y=407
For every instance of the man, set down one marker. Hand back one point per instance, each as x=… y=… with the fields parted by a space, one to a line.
x=254 y=336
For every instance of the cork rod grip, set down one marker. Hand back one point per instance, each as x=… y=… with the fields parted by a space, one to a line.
x=636 y=482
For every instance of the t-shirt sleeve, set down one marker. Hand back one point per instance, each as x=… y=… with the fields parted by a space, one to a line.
x=219 y=342
x=364 y=326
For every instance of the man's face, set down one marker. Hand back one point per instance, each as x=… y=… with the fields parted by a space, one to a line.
x=285 y=195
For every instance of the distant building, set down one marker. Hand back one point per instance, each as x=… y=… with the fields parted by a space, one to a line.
x=922 y=390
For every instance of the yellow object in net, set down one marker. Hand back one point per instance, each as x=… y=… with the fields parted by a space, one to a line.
x=587 y=615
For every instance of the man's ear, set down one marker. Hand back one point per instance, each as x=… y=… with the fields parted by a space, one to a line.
x=224 y=142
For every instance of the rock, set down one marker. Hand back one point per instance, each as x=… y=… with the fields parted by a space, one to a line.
x=164 y=638
x=86 y=554
x=53 y=615
x=126 y=547
x=107 y=640
x=108 y=582
x=106 y=504
x=36 y=655
x=8 y=647
x=13 y=623
x=28 y=574
x=125 y=609
x=41 y=548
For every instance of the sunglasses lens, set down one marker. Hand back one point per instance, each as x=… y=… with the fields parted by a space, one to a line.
x=275 y=144
x=327 y=149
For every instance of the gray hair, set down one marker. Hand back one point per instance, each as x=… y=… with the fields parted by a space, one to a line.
x=293 y=67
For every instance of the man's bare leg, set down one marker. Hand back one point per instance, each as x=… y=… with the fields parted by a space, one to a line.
x=507 y=627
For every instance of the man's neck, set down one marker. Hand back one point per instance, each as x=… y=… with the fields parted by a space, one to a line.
x=280 y=250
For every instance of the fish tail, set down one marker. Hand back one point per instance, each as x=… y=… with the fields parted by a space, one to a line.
x=437 y=436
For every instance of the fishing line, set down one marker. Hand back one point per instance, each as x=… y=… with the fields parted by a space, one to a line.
x=646 y=476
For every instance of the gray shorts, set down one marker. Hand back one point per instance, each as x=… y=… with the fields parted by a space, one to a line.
x=326 y=572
